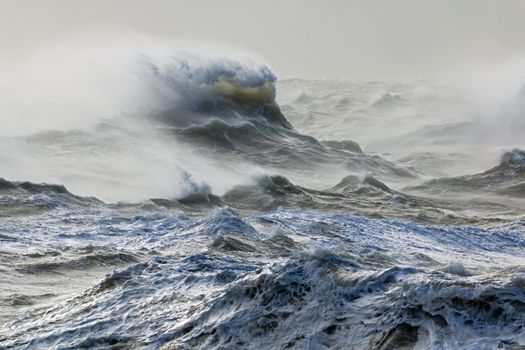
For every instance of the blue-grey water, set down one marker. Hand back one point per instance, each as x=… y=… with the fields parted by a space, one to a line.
x=243 y=214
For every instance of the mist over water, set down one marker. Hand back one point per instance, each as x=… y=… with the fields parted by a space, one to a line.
x=156 y=194
x=103 y=95
x=84 y=116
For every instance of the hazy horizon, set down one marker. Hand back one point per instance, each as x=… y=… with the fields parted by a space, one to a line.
x=303 y=39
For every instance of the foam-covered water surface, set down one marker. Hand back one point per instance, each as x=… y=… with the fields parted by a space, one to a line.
x=228 y=211
x=229 y=280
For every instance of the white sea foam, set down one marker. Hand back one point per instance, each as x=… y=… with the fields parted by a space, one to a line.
x=287 y=266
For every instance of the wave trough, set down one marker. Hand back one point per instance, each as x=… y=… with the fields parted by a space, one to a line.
x=221 y=223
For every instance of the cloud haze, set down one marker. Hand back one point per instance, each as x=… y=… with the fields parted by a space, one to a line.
x=310 y=39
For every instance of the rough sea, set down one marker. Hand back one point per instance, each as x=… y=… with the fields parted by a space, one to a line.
x=238 y=211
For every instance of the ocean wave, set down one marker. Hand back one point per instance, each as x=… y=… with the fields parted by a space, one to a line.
x=227 y=279
x=210 y=112
x=514 y=159
x=506 y=179
x=238 y=230
x=26 y=198
x=213 y=300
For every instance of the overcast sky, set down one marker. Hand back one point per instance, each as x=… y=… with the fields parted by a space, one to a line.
x=310 y=39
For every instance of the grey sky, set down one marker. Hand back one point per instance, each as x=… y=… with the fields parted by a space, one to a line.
x=324 y=39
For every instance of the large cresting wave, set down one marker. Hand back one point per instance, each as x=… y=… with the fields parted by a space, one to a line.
x=196 y=215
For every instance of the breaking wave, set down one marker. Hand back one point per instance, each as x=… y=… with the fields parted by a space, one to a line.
x=340 y=270
x=222 y=224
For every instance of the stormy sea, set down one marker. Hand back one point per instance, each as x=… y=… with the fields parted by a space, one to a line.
x=224 y=208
